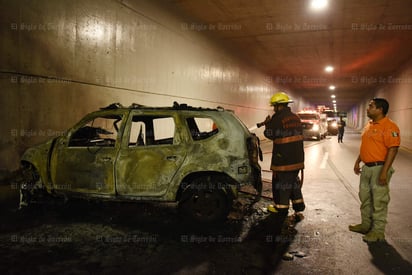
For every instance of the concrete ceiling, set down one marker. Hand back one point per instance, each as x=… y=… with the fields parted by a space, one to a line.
x=366 y=41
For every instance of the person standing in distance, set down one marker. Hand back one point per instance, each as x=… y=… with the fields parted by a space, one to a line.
x=341 y=129
x=284 y=128
x=379 y=146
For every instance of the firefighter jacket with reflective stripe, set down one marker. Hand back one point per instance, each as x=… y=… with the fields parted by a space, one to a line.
x=285 y=129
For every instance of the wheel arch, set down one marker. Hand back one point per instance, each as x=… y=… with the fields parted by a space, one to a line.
x=227 y=186
x=27 y=165
x=34 y=174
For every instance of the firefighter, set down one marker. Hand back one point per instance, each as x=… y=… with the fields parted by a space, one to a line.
x=285 y=129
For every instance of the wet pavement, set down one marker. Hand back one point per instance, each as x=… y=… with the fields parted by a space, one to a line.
x=108 y=238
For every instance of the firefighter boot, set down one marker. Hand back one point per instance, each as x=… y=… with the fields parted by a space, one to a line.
x=359 y=228
x=374 y=236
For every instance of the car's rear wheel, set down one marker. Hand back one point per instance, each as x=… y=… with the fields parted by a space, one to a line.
x=204 y=201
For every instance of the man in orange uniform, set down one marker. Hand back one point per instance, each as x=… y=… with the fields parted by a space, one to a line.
x=380 y=142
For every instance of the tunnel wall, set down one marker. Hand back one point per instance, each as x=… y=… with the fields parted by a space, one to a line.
x=397 y=91
x=63 y=59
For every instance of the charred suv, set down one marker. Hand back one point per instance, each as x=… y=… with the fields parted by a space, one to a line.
x=196 y=157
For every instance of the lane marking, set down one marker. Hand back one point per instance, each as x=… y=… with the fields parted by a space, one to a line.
x=324 y=161
x=344 y=181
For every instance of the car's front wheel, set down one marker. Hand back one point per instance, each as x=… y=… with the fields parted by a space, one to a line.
x=32 y=190
x=204 y=201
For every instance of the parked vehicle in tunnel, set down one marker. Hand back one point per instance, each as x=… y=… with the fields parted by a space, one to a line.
x=194 y=156
x=314 y=126
x=332 y=127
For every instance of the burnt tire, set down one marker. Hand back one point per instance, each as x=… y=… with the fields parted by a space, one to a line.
x=203 y=201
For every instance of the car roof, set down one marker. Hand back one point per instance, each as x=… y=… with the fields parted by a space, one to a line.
x=176 y=106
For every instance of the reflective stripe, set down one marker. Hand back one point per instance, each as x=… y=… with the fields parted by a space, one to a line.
x=297 y=201
x=290 y=167
x=287 y=139
x=281 y=206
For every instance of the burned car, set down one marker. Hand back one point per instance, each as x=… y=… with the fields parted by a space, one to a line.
x=197 y=157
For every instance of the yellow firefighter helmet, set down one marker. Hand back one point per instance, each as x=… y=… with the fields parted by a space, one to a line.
x=280 y=98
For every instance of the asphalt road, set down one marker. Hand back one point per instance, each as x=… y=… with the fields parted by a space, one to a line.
x=85 y=238
x=330 y=190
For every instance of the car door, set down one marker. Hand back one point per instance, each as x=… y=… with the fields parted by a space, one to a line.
x=83 y=160
x=151 y=153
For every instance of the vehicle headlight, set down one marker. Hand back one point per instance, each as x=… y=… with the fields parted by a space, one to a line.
x=334 y=124
x=315 y=127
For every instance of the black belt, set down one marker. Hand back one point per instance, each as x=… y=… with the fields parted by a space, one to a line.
x=376 y=163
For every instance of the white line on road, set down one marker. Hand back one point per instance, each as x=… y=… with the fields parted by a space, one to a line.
x=324 y=161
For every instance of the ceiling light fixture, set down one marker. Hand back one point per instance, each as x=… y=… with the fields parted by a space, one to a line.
x=318 y=4
x=333 y=96
x=329 y=69
x=331 y=87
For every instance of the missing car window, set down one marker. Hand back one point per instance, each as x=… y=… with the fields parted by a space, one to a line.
x=202 y=127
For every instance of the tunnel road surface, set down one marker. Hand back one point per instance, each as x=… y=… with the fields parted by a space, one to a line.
x=330 y=191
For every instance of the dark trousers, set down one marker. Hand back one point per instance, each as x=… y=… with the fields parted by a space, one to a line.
x=286 y=186
x=340 y=135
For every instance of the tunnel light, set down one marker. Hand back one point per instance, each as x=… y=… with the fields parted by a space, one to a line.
x=329 y=69
x=333 y=96
x=331 y=87
x=318 y=4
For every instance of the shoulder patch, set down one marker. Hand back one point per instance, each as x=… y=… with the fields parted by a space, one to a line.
x=395 y=134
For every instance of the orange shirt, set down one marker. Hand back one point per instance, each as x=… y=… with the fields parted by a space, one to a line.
x=377 y=138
